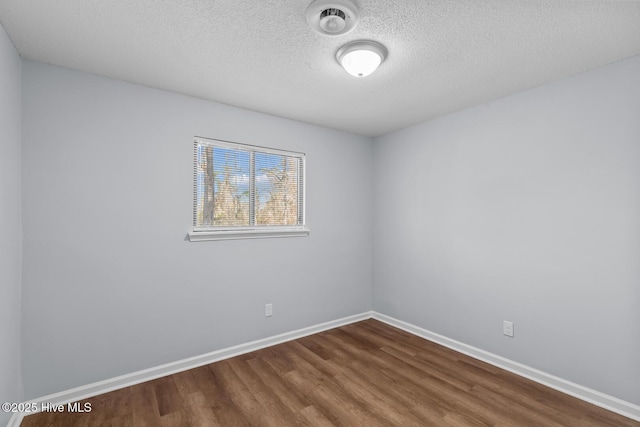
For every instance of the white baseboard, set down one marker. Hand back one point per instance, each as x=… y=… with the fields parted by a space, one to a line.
x=592 y=396
x=605 y=401
x=15 y=420
x=94 y=389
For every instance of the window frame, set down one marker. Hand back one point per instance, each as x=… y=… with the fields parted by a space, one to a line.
x=251 y=231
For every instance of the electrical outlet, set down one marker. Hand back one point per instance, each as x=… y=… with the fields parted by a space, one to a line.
x=507 y=328
x=268 y=310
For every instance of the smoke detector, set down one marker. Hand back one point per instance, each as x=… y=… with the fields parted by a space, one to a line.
x=332 y=17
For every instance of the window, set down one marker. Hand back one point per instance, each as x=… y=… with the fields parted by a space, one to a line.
x=244 y=191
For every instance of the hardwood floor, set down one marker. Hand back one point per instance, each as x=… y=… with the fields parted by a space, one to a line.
x=363 y=374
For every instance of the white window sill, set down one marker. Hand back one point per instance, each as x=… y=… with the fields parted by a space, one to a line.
x=203 y=236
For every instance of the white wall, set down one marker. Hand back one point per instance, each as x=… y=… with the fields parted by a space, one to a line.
x=10 y=231
x=110 y=284
x=525 y=209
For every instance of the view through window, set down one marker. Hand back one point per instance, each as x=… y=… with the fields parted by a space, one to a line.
x=239 y=185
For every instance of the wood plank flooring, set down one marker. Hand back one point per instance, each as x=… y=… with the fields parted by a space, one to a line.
x=363 y=374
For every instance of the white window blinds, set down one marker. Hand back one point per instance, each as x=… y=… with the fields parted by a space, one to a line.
x=240 y=186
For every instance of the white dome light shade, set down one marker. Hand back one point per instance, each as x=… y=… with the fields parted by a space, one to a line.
x=361 y=63
x=361 y=58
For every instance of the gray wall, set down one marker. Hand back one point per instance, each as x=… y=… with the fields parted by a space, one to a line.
x=10 y=231
x=525 y=209
x=110 y=284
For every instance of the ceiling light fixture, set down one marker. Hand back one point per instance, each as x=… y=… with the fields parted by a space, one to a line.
x=362 y=57
x=332 y=17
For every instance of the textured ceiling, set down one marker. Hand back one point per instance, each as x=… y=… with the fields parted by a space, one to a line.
x=261 y=55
